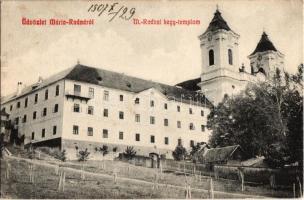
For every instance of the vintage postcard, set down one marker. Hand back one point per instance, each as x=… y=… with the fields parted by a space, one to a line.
x=151 y=99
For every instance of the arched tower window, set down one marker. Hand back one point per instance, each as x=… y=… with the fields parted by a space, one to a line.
x=211 y=57
x=230 y=57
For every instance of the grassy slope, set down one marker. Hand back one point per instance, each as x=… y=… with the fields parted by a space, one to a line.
x=93 y=187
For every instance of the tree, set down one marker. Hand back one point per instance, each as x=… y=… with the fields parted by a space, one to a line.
x=179 y=153
x=61 y=155
x=129 y=152
x=83 y=155
x=266 y=119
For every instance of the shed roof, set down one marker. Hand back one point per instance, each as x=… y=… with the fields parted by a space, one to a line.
x=219 y=154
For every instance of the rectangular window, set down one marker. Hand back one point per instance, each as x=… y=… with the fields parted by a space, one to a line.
x=17 y=120
x=121 y=135
x=151 y=103
x=136 y=101
x=191 y=143
x=46 y=94
x=25 y=102
x=152 y=120
x=165 y=106
x=137 y=137
x=18 y=104
x=105 y=112
x=105 y=133
x=179 y=142
x=44 y=113
x=178 y=108
x=152 y=139
x=166 y=122
x=77 y=89
x=36 y=98
x=43 y=133
x=190 y=111
x=91 y=92
x=106 y=95
x=54 y=130
x=202 y=113
x=166 y=140
x=191 y=126
x=90 y=131
x=75 y=130
x=11 y=107
x=121 y=97
x=137 y=117
x=24 y=119
x=90 y=110
x=121 y=115
x=179 y=124
x=56 y=108
x=203 y=128
x=34 y=115
x=33 y=135
x=57 y=90
x=76 y=107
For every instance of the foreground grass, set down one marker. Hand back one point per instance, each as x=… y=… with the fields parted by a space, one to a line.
x=46 y=183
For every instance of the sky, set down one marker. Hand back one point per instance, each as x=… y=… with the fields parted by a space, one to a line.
x=162 y=53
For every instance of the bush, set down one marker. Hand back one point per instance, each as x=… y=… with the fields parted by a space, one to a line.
x=60 y=155
x=129 y=152
x=104 y=149
x=83 y=155
x=179 y=153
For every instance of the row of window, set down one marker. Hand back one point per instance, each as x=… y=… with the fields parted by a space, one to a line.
x=105 y=134
x=46 y=96
x=90 y=110
x=43 y=114
x=211 y=57
x=43 y=132
x=77 y=91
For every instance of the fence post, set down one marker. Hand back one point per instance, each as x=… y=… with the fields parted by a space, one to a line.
x=188 y=191
x=56 y=169
x=300 y=186
x=272 y=181
x=241 y=176
x=8 y=169
x=211 y=195
x=294 y=190
x=61 y=180
x=82 y=172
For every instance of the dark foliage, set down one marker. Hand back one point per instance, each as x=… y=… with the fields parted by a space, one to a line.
x=129 y=152
x=266 y=119
x=83 y=155
x=179 y=153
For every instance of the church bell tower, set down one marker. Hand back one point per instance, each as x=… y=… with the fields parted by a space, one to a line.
x=220 y=65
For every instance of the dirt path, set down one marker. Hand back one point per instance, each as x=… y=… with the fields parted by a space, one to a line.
x=47 y=164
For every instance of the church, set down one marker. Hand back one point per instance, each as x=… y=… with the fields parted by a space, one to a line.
x=88 y=107
x=221 y=72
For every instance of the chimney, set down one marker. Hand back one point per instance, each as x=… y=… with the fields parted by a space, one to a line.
x=19 y=88
x=40 y=79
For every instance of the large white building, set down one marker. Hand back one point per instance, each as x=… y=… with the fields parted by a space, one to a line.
x=89 y=107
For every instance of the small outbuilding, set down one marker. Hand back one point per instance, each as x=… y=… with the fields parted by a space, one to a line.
x=232 y=155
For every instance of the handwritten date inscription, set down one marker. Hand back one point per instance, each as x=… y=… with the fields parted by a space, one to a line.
x=113 y=10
